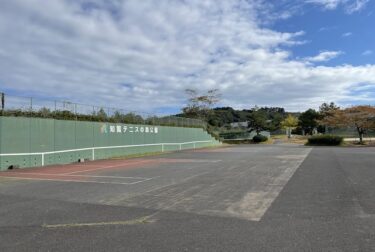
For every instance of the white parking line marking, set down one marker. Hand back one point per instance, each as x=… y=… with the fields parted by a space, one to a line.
x=79 y=181
x=71 y=175
x=107 y=167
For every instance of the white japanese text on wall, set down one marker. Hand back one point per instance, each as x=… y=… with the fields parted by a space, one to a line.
x=108 y=128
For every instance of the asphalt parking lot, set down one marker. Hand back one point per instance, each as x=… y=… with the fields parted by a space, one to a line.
x=245 y=198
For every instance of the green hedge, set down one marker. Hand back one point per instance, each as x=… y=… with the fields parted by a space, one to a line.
x=327 y=140
x=259 y=138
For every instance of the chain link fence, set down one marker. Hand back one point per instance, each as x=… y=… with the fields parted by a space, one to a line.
x=64 y=110
x=349 y=132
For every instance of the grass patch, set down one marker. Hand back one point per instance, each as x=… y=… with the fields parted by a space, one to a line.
x=358 y=144
x=295 y=139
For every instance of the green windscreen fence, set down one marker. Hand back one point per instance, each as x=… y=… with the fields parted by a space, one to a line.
x=28 y=142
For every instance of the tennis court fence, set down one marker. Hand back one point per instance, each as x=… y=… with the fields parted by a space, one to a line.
x=19 y=106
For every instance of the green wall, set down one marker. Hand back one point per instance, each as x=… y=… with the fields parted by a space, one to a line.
x=28 y=138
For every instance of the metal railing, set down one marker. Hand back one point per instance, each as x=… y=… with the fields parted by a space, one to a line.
x=93 y=149
x=12 y=105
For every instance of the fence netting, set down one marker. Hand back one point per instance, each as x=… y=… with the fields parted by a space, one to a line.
x=12 y=105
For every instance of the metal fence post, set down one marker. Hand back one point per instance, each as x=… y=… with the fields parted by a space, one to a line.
x=31 y=106
x=54 y=111
x=75 y=111
x=2 y=101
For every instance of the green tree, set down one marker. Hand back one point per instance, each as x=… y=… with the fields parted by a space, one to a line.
x=308 y=120
x=200 y=106
x=44 y=112
x=289 y=123
x=101 y=115
x=132 y=118
x=258 y=121
x=274 y=116
x=327 y=109
x=118 y=117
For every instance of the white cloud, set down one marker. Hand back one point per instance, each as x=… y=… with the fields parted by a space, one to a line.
x=357 y=5
x=141 y=55
x=350 y=6
x=347 y=34
x=327 y=28
x=367 y=52
x=327 y=4
x=324 y=56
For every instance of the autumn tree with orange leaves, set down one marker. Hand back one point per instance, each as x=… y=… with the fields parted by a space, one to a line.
x=362 y=118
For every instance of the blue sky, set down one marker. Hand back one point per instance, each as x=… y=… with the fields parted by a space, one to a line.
x=334 y=30
x=141 y=55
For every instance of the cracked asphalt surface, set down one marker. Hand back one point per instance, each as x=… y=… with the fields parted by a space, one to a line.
x=242 y=198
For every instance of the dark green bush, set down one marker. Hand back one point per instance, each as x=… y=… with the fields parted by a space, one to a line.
x=328 y=140
x=259 y=138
